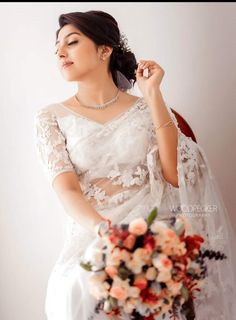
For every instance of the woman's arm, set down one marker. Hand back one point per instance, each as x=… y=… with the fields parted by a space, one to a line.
x=167 y=137
x=67 y=187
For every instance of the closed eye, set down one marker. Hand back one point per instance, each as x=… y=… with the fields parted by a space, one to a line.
x=70 y=43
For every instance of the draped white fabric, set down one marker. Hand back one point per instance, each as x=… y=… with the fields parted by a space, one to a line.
x=119 y=170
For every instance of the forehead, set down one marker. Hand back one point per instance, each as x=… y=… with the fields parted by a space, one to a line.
x=67 y=30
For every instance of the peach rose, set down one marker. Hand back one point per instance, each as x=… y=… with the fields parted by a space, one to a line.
x=118 y=293
x=174 y=287
x=125 y=255
x=140 y=283
x=130 y=305
x=171 y=235
x=130 y=241
x=162 y=262
x=158 y=226
x=111 y=271
x=138 y=226
x=163 y=276
x=151 y=273
x=114 y=258
x=98 y=277
x=100 y=290
x=133 y=292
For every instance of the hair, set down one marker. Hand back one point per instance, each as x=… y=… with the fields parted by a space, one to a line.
x=103 y=29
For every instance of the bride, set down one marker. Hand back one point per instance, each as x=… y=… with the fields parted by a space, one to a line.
x=112 y=156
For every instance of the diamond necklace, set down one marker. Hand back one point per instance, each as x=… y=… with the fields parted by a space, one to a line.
x=100 y=106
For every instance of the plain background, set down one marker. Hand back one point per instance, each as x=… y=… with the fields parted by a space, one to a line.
x=195 y=45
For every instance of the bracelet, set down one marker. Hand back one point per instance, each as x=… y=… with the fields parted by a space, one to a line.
x=104 y=224
x=167 y=124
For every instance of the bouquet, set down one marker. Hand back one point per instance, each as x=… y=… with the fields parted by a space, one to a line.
x=147 y=269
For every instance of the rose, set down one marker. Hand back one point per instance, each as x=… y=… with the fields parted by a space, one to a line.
x=138 y=227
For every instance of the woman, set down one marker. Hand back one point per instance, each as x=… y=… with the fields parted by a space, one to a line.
x=113 y=156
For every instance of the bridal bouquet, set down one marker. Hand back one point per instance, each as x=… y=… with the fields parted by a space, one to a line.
x=147 y=269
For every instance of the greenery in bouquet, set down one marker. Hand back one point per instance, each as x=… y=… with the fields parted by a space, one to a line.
x=147 y=269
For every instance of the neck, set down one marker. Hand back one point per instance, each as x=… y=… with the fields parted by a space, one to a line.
x=98 y=90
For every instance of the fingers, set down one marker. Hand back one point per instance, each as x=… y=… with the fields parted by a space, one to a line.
x=141 y=66
x=146 y=63
x=151 y=65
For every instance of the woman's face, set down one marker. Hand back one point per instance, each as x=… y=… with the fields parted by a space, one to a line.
x=73 y=46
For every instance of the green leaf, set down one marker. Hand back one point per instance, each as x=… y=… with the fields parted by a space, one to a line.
x=154 y=254
x=152 y=216
x=184 y=292
x=113 y=302
x=191 y=271
x=86 y=266
x=123 y=273
x=166 y=301
x=120 y=243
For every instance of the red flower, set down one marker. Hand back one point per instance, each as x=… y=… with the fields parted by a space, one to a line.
x=117 y=235
x=149 y=243
x=150 y=317
x=193 y=242
x=148 y=296
x=114 y=312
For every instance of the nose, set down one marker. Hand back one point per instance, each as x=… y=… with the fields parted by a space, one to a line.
x=61 y=52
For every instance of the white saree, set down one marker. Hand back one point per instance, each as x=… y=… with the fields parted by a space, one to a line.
x=119 y=170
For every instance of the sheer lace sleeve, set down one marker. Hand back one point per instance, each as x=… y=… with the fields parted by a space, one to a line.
x=50 y=145
x=198 y=198
x=191 y=164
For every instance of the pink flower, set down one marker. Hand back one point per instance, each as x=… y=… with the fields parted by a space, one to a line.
x=174 y=287
x=138 y=226
x=140 y=283
x=170 y=234
x=151 y=273
x=111 y=271
x=164 y=276
x=149 y=243
x=118 y=293
x=162 y=262
x=130 y=241
x=167 y=263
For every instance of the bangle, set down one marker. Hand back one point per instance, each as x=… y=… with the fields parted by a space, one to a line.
x=102 y=225
x=108 y=220
x=167 y=124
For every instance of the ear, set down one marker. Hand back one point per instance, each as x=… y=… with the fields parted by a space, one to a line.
x=106 y=50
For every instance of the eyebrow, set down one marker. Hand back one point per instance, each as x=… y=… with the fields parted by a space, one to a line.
x=68 y=36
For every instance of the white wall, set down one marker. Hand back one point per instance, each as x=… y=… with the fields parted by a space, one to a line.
x=195 y=45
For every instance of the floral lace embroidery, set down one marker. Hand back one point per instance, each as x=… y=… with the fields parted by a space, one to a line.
x=187 y=151
x=126 y=178
x=189 y=159
x=97 y=193
x=141 y=105
x=51 y=145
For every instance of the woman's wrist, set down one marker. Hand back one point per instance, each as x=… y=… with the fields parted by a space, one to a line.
x=102 y=226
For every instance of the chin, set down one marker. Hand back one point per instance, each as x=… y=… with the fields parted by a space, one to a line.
x=70 y=77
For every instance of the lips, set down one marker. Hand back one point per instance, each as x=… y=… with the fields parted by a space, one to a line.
x=66 y=64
